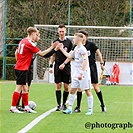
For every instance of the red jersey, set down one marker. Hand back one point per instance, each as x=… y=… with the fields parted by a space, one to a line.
x=26 y=49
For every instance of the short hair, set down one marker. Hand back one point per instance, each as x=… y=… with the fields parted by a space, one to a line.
x=84 y=32
x=30 y=30
x=61 y=26
x=79 y=35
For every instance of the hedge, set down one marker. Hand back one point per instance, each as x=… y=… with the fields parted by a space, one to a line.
x=10 y=73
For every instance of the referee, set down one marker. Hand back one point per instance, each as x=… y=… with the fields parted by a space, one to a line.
x=62 y=68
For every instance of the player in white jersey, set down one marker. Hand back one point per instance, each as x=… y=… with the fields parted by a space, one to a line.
x=81 y=73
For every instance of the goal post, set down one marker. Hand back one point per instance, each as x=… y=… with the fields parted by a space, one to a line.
x=115 y=44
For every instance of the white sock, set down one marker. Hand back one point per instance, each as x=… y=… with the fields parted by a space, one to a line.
x=13 y=107
x=71 y=101
x=90 y=102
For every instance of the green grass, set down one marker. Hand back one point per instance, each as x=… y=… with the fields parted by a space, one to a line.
x=118 y=100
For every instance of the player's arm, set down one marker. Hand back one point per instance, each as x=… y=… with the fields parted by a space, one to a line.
x=52 y=51
x=100 y=58
x=49 y=53
x=51 y=61
x=84 y=63
x=16 y=54
x=68 y=55
x=42 y=53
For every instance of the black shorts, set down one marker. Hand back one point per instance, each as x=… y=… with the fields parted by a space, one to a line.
x=29 y=78
x=21 y=77
x=94 y=75
x=62 y=75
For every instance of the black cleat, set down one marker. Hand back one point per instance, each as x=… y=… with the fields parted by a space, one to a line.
x=64 y=107
x=58 y=108
x=20 y=108
x=77 y=110
x=103 y=108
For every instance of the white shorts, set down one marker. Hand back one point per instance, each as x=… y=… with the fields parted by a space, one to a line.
x=84 y=84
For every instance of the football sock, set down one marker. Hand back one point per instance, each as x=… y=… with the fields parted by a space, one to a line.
x=71 y=101
x=65 y=95
x=90 y=102
x=99 y=94
x=79 y=97
x=25 y=98
x=58 y=96
x=15 y=98
x=19 y=99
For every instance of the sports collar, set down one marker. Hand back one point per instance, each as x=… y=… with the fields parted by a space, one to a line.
x=64 y=39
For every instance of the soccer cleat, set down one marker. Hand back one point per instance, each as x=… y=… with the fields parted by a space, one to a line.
x=67 y=111
x=77 y=110
x=103 y=108
x=20 y=108
x=58 y=108
x=89 y=112
x=29 y=110
x=64 y=107
x=15 y=111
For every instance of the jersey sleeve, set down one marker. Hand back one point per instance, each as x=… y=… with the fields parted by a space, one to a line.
x=83 y=52
x=34 y=48
x=94 y=46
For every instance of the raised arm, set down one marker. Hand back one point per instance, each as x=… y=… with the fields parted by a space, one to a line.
x=51 y=48
x=68 y=55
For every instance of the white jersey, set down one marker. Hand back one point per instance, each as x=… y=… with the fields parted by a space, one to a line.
x=79 y=54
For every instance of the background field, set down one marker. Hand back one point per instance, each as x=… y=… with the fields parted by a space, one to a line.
x=118 y=100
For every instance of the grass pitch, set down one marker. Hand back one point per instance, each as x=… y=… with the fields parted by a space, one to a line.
x=118 y=100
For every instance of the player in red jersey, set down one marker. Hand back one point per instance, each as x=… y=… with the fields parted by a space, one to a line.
x=29 y=79
x=26 y=49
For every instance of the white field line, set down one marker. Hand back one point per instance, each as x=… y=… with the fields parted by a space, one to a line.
x=38 y=119
x=35 y=121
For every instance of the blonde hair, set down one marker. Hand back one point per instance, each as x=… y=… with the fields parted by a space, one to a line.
x=30 y=30
x=79 y=35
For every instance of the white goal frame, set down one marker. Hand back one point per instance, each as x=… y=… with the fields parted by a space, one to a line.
x=124 y=37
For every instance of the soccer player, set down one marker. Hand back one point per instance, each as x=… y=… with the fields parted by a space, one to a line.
x=29 y=76
x=81 y=75
x=92 y=50
x=26 y=49
x=62 y=68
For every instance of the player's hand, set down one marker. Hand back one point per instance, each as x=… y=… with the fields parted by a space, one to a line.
x=61 y=67
x=102 y=67
x=80 y=77
x=54 y=44
x=50 y=70
x=60 y=46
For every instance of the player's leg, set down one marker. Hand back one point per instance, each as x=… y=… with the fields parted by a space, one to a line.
x=20 y=80
x=79 y=98
x=90 y=102
x=74 y=85
x=25 y=99
x=58 y=81
x=29 y=79
x=19 y=107
x=85 y=84
x=94 y=81
x=71 y=101
x=100 y=96
x=65 y=95
x=66 y=81
x=58 y=96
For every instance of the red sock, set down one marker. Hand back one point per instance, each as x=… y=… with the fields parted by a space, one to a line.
x=15 y=98
x=25 y=98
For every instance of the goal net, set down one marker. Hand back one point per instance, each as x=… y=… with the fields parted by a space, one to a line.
x=2 y=6
x=115 y=44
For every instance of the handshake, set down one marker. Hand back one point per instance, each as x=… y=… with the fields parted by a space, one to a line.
x=57 y=45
